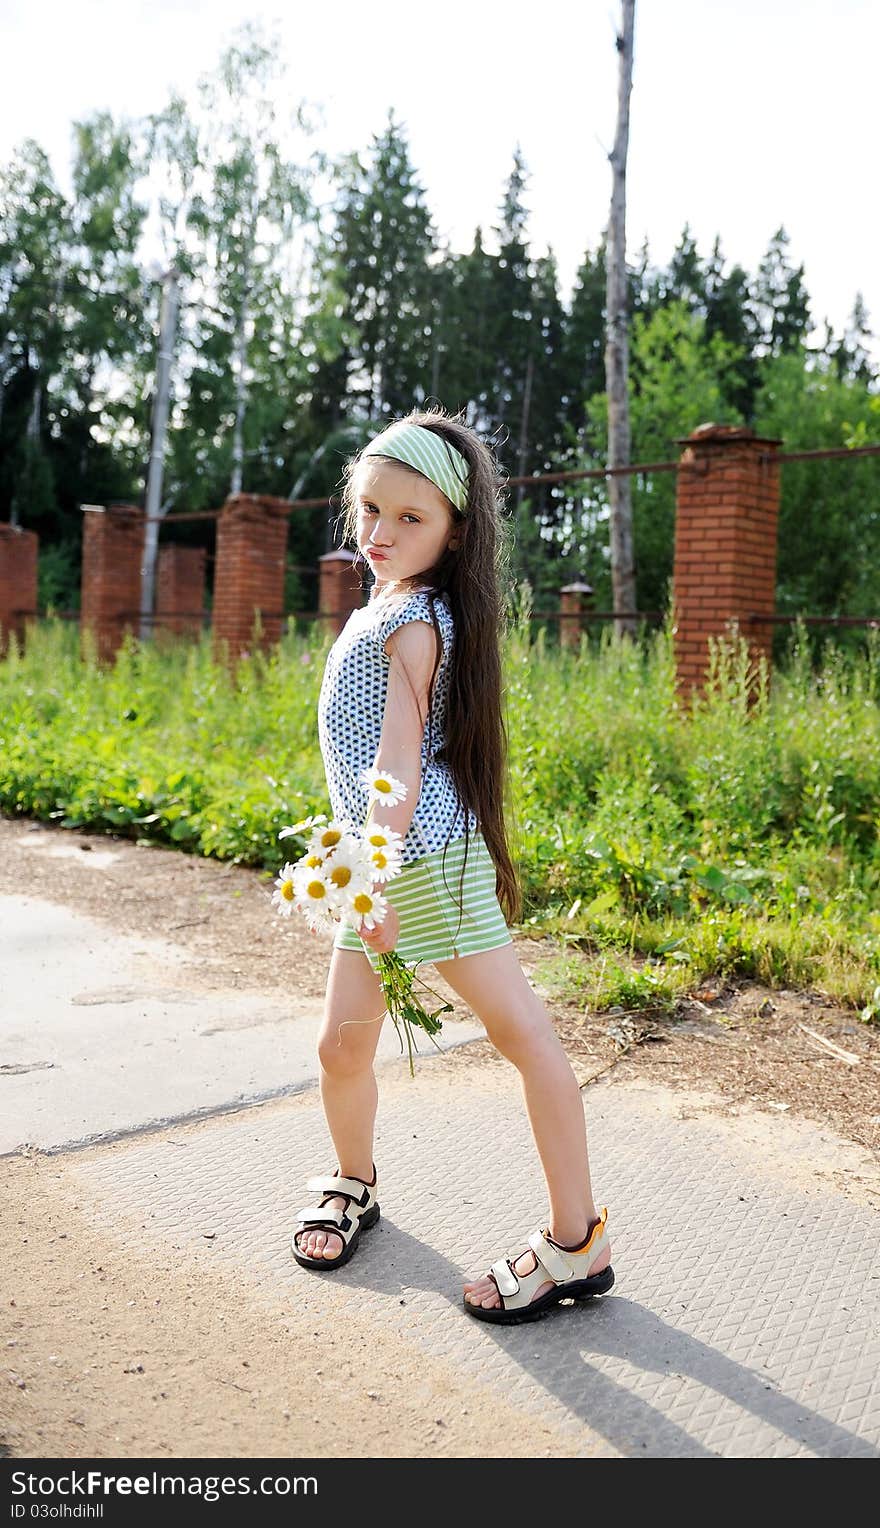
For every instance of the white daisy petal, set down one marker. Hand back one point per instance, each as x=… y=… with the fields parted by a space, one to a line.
x=383 y=787
x=326 y=838
x=384 y=863
x=284 y=895
x=368 y=907
x=346 y=870
x=379 y=837
x=300 y=828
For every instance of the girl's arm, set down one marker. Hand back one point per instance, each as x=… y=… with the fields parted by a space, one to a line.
x=412 y=650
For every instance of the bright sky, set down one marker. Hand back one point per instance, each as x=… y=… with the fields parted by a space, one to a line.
x=745 y=114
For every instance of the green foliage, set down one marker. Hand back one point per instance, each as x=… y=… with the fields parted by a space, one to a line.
x=679 y=378
x=742 y=836
x=829 y=530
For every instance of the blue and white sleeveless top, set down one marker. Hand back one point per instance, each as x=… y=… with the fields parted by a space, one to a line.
x=351 y=707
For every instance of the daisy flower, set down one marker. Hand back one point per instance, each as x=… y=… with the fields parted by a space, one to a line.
x=384 y=862
x=303 y=826
x=346 y=870
x=378 y=837
x=325 y=840
x=366 y=907
x=284 y=895
x=313 y=894
x=383 y=787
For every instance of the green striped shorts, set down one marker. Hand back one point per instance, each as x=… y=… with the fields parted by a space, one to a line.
x=437 y=920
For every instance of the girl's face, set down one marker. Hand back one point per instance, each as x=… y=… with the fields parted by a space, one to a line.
x=404 y=523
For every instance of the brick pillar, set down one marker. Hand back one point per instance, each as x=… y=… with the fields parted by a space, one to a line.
x=180 y=589
x=725 y=544
x=249 y=568
x=112 y=555
x=574 y=599
x=18 y=582
x=339 y=591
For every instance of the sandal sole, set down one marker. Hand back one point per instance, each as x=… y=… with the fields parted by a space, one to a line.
x=326 y=1265
x=580 y=1289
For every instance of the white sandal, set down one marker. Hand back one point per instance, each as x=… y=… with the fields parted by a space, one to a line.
x=566 y=1268
x=361 y=1211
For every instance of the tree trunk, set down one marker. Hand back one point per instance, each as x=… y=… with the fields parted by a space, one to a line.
x=239 y=364
x=32 y=436
x=623 y=581
x=154 y=507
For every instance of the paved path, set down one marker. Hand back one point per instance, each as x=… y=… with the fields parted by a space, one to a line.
x=745 y=1322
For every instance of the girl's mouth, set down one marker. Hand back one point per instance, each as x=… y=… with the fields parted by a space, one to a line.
x=372 y=552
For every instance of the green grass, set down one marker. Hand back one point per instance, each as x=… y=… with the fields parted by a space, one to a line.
x=665 y=845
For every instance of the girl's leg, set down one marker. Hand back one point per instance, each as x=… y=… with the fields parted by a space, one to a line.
x=348 y=1084
x=496 y=988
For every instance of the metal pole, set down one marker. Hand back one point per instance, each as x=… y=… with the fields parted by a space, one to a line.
x=167 y=330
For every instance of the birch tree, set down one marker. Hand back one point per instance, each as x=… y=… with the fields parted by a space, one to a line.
x=623 y=581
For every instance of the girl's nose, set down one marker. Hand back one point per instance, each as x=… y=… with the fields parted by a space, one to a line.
x=381 y=534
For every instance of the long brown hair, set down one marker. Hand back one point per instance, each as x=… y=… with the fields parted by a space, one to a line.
x=471 y=575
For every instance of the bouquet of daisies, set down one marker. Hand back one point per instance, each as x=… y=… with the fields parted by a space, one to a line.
x=335 y=880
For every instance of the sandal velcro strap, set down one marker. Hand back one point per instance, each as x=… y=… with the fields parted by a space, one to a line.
x=349 y=1188
x=314 y=1215
x=552 y=1258
x=505 y=1278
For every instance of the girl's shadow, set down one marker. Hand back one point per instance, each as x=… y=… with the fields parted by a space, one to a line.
x=559 y=1353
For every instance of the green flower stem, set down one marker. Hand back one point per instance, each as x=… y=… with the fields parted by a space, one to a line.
x=404 y=1008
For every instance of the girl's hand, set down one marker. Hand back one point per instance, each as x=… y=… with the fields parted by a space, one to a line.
x=383 y=938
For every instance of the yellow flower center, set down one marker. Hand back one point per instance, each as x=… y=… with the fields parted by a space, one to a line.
x=341 y=875
x=314 y=859
x=331 y=838
x=316 y=890
x=379 y=859
x=383 y=786
x=363 y=902
x=378 y=839
x=287 y=891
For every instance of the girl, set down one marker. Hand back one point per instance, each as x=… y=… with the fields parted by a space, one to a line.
x=413 y=687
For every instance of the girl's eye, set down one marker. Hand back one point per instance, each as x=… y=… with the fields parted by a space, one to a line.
x=415 y=519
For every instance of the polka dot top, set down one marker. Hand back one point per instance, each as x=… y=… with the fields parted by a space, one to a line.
x=350 y=711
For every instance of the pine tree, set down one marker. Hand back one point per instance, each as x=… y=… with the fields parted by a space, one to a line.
x=383 y=244
x=779 y=300
x=35 y=252
x=463 y=374
x=511 y=330
x=851 y=355
x=584 y=340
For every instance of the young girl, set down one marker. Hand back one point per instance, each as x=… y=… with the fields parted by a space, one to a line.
x=413 y=687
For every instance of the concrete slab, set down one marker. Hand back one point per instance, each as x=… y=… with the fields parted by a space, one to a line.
x=102 y=1034
x=745 y=1321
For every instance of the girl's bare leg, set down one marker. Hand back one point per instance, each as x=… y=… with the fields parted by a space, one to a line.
x=348 y=1083
x=497 y=990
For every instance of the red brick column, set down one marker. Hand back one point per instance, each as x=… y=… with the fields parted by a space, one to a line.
x=339 y=588
x=18 y=582
x=112 y=554
x=180 y=589
x=574 y=599
x=249 y=572
x=725 y=544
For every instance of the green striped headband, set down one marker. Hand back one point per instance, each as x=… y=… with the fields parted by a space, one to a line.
x=433 y=457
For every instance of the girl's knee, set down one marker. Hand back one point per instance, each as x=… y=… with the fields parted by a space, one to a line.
x=521 y=1035
x=347 y=1046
